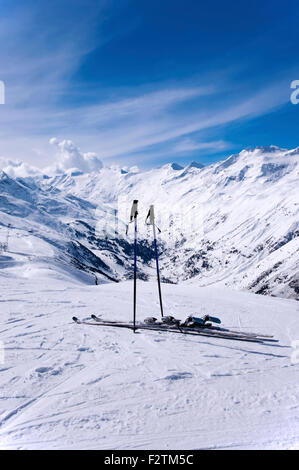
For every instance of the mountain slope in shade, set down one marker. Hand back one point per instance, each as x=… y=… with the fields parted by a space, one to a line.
x=42 y=228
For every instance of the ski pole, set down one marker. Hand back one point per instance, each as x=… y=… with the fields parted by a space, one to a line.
x=151 y=216
x=133 y=217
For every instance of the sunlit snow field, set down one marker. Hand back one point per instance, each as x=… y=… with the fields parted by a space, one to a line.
x=67 y=386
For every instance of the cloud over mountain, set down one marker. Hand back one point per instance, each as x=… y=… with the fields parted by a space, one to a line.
x=18 y=169
x=69 y=156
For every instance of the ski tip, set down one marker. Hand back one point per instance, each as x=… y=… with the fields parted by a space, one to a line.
x=95 y=317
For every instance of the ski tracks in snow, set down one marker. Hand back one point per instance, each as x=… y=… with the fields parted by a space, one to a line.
x=74 y=386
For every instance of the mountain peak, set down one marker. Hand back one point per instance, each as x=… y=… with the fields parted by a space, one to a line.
x=175 y=166
x=264 y=149
x=2 y=174
x=172 y=166
x=195 y=164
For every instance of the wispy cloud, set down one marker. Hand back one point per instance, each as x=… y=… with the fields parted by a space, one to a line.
x=39 y=50
x=144 y=105
x=189 y=145
x=166 y=124
x=39 y=61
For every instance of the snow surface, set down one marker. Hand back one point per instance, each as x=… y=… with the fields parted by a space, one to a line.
x=69 y=386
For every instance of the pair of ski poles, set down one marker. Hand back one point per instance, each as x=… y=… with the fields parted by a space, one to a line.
x=151 y=217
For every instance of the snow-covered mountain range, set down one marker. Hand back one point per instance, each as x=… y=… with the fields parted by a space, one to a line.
x=233 y=223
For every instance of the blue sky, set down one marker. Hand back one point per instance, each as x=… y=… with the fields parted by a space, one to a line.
x=147 y=82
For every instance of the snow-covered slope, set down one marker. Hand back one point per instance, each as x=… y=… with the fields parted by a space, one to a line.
x=42 y=227
x=234 y=223
x=68 y=386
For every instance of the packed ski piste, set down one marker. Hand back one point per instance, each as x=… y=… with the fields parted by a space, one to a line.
x=107 y=365
x=192 y=325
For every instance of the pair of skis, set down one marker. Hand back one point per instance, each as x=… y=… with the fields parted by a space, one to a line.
x=209 y=332
x=151 y=218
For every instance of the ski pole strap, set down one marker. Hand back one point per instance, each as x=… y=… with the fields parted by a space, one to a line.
x=151 y=217
x=134 y=213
